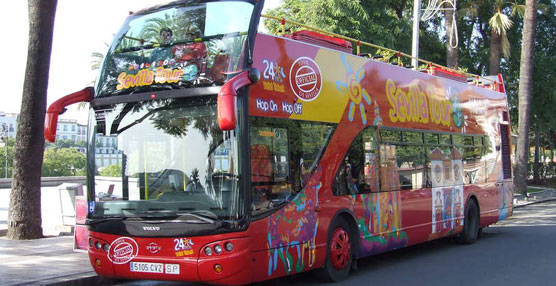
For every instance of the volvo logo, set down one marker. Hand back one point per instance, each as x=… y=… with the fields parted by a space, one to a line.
x=153 y=247
x=151 y=228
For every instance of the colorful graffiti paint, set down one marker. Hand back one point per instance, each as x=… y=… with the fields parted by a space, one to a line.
x=381 y=224
x=292 y=231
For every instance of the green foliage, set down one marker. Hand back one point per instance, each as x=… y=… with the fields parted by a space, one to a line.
x=66 y=144
x=114 y=170
x=63 y=162
x=371 y=21
x=10 y=157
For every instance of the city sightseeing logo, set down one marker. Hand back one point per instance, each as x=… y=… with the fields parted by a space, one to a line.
x=123 y=250
x=305 y=79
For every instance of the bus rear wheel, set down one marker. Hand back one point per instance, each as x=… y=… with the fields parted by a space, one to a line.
x=339 y=254
x=471 y=224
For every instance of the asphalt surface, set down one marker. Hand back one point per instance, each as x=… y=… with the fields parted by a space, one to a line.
x=518 y=251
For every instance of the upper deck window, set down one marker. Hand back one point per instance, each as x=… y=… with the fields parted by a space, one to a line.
x=175 y=47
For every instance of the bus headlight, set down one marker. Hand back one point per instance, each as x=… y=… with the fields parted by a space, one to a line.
x=217 y=249
x=208 y=251
x=229 y=246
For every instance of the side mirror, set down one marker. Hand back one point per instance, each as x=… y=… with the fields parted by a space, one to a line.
x=226 y=105
x=58 y=107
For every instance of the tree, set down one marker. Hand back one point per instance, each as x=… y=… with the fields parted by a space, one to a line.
x=499 y=24
x=11 y=143
x=67 y=143
x=114 y=170
x=525 y=91
x=543 y=97
x=24 y=213
x=60 y=162
x=385 y=23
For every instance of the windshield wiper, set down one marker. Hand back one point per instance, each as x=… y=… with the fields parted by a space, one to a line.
x=206 y=216
x=94 y=221
x=200 y=216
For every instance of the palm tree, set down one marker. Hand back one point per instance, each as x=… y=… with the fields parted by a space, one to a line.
x=525 y=91
x=499 y=24
x=24 y=213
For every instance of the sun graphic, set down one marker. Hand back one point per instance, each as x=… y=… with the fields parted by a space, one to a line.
x=352 y=87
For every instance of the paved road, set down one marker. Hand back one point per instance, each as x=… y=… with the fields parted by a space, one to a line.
x=517 y=251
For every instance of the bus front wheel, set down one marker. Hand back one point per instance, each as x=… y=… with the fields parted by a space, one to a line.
x=339 y=254
x=471 y=224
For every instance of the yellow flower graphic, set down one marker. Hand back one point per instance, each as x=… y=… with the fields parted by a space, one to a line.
x=352 y=87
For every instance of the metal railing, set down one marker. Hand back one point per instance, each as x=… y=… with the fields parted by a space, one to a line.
x=48 y=181
x=399 y=54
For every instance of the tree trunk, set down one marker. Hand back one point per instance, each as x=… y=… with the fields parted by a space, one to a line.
x=536 y=162
x=543 y=163
x=452 y=56
x=525 y=91
x=24 y=214
x=551 y=163
x=495 y=52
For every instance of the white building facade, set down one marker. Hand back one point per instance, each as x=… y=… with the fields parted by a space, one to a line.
x=69 y=129
x=8 y=123
x=106 y=151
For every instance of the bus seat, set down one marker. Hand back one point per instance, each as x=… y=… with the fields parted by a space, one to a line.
x=218 y=70
x=261 y=163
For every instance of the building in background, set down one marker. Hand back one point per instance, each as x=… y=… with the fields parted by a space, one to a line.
x=69 y=129
x=106 y=151
x=10 y=121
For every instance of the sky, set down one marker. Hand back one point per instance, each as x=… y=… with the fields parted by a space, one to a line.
x=81 y=28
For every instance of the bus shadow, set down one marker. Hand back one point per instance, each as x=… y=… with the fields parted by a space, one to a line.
x=375 y=263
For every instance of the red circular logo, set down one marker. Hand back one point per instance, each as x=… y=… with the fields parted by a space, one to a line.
x=122 y=250
x=305 y=79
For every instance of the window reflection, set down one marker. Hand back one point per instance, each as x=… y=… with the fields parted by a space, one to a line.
x=284 y=154
x=408 y=160
x=173 y=158
x=358 y=173
x=187 y=45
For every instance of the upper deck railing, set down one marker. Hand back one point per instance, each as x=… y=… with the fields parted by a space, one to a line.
x=477 y=80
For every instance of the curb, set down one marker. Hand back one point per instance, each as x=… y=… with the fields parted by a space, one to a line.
x=536 y=202
x=80 y=279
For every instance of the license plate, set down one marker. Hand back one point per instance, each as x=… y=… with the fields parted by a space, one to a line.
x=154 y=267
x=146 y=267
x=172 y=268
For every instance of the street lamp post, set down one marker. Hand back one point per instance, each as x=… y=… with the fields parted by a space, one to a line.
x=415 y=38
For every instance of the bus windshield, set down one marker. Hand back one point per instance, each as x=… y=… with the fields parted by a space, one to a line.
x=182 y=46
x=163 y=159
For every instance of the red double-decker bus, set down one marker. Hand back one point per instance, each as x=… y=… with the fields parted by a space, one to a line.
x=238 y=156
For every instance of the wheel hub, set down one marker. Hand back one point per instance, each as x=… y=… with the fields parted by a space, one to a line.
x=340 y=248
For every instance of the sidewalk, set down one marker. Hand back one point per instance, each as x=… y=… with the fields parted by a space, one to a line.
x=52 y=261
x=47 y=261
x=542 y=195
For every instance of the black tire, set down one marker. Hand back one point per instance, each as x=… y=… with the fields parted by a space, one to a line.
x=470 y=231
x=334 y=270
